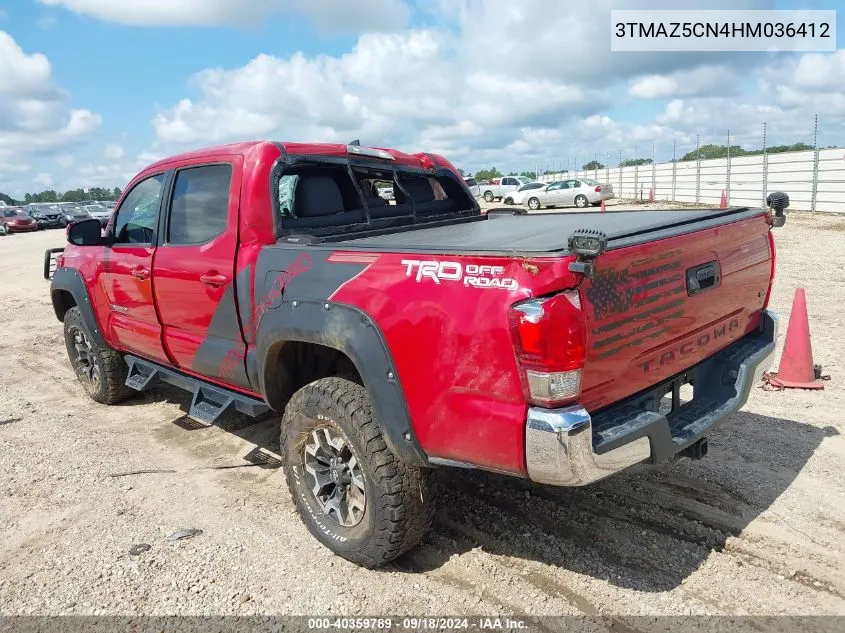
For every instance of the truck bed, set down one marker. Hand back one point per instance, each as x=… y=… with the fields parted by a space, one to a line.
x=547 y=233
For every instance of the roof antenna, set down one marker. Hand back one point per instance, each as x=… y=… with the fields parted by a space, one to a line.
x=357 y=141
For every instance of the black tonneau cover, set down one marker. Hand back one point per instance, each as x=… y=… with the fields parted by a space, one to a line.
x=548 y=232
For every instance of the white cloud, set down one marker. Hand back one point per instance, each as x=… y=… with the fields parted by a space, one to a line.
x=492 y=80
x=34 y=117
x=402 y=89
x=330 y=15
x=515 y=84
x=113 y=151
x=821 y=72
x=22 y=75
x=65 y=160
x=43 y=180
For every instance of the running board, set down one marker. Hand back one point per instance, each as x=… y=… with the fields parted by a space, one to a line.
x=209 y=402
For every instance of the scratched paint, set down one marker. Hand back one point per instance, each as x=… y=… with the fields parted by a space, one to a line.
x=236 y=355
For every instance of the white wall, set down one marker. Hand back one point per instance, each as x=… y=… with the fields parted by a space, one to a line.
x=791 y=172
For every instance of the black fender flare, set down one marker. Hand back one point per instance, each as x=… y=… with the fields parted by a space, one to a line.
x=351 y=331
x=70 y=280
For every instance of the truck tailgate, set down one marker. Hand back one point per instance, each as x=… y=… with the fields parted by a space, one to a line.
x=655 y=309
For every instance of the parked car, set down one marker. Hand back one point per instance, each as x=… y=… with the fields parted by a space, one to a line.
x=580 y=193
x=500 y=187
x=73 y=213
x=516 y=197
x=394 y=339
x=473 y=186
x=16 y=221
x=48 y=216
x=98 y=212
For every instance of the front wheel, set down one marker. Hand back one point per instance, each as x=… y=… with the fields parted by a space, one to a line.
x=534 y=204
x=351 y=491
x=101 y=370
x=581 y=202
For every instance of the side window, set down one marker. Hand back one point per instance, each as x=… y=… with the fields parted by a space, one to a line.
x=573 y=184
x=555 y=186
x=136 y=218
x=199 y=208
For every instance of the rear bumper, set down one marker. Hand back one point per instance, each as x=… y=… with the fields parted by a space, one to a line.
x=569 y=447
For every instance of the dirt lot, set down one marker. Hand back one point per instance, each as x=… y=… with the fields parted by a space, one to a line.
x=755 y=528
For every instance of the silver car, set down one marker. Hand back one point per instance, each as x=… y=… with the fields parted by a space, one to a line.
x=580 y=193
x=98 y=212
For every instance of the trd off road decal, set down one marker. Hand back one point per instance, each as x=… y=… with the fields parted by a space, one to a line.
x=646 y=291
x=236 y=355
x=471 y=275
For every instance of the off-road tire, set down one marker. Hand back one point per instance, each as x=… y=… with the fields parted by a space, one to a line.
x=111 y=387
x=581 y=201
x=399 y=501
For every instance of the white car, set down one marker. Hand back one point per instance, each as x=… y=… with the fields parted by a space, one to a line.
x=517 y=197
x=500 y=187
x=473 y=186
x=580 y=193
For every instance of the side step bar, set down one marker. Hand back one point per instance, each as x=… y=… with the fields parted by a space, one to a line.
x=209 y=403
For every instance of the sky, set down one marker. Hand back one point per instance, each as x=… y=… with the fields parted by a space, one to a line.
x=91 y=91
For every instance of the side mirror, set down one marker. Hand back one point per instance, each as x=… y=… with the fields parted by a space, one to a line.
x=85 y=233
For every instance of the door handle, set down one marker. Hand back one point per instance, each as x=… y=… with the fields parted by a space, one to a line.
x=213 y=278
x=140 y=273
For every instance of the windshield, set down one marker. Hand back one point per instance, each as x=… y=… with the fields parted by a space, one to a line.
x=11 y=213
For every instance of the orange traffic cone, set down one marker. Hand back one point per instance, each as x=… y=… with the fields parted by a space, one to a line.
x=724 y=202
x=651 y=195
x=796 y=369
x=603 y=206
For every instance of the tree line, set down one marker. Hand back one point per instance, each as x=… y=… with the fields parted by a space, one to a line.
x=74 y=195
x=707 y=152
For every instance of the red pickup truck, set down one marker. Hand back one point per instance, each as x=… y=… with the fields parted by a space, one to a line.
x=396 y=337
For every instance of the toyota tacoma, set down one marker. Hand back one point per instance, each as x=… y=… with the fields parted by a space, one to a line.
x=395 y=337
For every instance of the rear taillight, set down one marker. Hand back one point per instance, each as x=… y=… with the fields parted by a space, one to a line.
x=598 y=189
x=551 y=342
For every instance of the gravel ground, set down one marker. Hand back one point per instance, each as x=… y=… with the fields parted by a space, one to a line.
x=755 y=528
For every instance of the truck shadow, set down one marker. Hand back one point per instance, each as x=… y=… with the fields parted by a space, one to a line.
x=645 y=529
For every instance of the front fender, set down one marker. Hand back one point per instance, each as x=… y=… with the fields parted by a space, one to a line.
x=70 y=280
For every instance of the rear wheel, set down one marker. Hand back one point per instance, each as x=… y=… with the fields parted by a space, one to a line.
x=101 y=370
x=581 y=202
x=351 y=491
x=534 y=204
x=507 y=201
x=488 y=196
